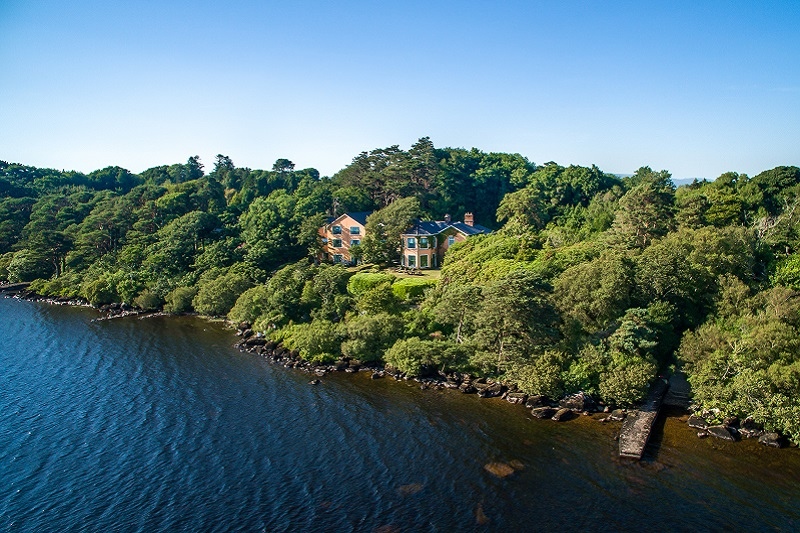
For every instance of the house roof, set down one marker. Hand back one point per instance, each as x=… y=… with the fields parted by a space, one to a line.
x=358 y=216
x=435 y=227
x=466 y=229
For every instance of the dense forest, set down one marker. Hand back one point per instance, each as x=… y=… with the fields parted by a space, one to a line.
x=589 y=282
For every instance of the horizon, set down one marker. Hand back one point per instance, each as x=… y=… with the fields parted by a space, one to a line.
x=695 y=90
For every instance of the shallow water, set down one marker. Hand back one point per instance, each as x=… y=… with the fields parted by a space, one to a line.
x=159 y=424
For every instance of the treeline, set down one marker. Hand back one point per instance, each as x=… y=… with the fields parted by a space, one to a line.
x=591 y=282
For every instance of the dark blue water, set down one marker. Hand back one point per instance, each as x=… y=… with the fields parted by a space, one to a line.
x=159 y=425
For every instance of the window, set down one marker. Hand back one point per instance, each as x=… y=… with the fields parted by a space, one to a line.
x=412 y=243
x=412 y=261
x=423 y=261
x=337 y=243
x=337 y=230
x=451 y=240
x=355 y=230
x=423 y=242
x=355 y=242
x=337 y=258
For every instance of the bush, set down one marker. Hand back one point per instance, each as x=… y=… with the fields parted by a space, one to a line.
x=217 y=297
x=250 y=305
x=180 y=300
x=5 y=260
x=28 y=265
x=364 y=281
x=541 y=376
x=412 y=288
x=99 y=291
x=368 y=336
x=317 y=341
x=148 y=300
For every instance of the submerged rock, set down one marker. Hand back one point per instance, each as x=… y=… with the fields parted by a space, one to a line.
x=543 y=412
x=617 y=415
x=697 y=422
x=499 y=469
x=773 y=440
x=563 y=414
x=722 y=432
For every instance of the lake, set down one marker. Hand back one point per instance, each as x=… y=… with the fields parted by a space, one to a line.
x=159 y=424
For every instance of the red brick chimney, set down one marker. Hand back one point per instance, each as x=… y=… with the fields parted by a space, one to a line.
x=469 y=220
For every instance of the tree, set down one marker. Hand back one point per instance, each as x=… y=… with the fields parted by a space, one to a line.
x=382 y=241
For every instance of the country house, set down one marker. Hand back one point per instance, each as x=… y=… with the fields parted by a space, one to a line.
x=340 y=234
x=423 y=244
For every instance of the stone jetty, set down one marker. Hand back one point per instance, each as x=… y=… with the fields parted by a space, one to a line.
x=638 y=424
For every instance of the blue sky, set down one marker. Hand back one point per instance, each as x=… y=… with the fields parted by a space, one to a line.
x=697 y=88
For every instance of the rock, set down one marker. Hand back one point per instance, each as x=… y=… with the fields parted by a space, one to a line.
x=543 y=412
x=697 y=422
x=516 y=397
x=492 y=391
x=314 y=382
x=577 y=402
x=247 y=333
x=500 y=470
x=377 y=375
x=731 y=421
x=480 y=385
x=750 y=430
x=562 y=414
x=466 y=388
x=244 y=326
x=702 y=434
x=536 y=401
x=772 y=440
x=722 y=432
x=617 y=415
x=254 y=341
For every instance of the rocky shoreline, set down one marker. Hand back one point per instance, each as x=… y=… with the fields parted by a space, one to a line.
x=566 y=408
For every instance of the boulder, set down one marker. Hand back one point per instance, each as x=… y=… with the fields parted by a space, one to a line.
x=750 y=430
x=246 y=333
x=772 y=440
x=543 y=412
x=516 y=397
x=617 y=415
x=536 y=401
x=562 y=414
x=492 y=391
x=697 y=422
x=579 y=401
x=722 y=432
x=377 y=375
x=244 y=326
x=314 y=382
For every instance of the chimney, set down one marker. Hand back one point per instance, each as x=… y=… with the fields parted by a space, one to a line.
x=469 y=220
x=447 y=218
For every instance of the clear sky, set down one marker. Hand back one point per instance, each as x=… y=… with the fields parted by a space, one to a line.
x=697 y=88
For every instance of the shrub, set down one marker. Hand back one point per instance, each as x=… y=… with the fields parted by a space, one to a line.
x=250 y=305
x=179 y=300
x=412 y=288
x=148 y=300
x=364 y=281
x=217 y=297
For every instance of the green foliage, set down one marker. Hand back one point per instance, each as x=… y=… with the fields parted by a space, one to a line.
x=368 y=336
x=412 y=289
x=28 y=265
x=179 y=300
x=382 y=238
x=250 y=305
x=148 y=300
x=364 y=281
x=317 y=341
x=217 y=297
x=542 y=374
